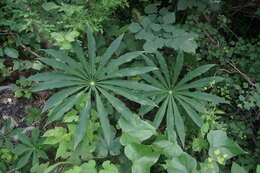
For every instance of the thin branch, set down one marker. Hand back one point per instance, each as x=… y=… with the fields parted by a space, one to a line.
x=232 y=64
x=28 y=49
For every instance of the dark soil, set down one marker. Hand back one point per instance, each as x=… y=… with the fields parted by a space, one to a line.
x=14 y=108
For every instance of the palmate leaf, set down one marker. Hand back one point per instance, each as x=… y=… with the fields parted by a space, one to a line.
x=174 y=94
x=84 y=75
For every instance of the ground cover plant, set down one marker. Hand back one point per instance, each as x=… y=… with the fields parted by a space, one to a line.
x=129 y=86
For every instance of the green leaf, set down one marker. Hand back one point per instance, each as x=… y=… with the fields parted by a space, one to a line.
x=108 y=167
x=90 y=166
x=183 y=163
x=103 y=116
x=25 y=139
x=169 y=18
x=200 y=83
x=142 y=157
x=221 y=147
x=110 y=51
x=197 y=72
x=117 y=104
x=130 y=84
x=134 y=27
x=204 y=96
x=179 y=124
x=11 y=52
x=177 y=68
x=160 y=113
x=23 y=160
x=192 y=114
x=92 y=49
x=83 y=122
x=47 y=6
x=52 y=167
x=151 y=8
x=59 y=97
x=137 y=128
x=136 y=97
x=163 y=67
x=156 y=27
x=194 y=103
x=62 y=108
x=132 y=71
x=115 y=63
x=167 y=148
x=56 y=84
x=237 y=169
x=20 y=149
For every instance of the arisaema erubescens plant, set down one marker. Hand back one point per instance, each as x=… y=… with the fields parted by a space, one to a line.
x=174 y=93
x=95 y=79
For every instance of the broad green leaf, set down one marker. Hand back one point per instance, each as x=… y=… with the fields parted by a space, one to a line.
x=200 y=83
x=131 y=85
x=20 y=149
x=169 y=18
x=103 y=117
x=23 y=160
x=115 y=63
x=83 y=122
x=110 y=51
x=138 y=98
x=237 y=169
x=35 y=136
x=170 y=120
x=192 y=114
x=90 y=166
x=47 y=76
x=47 y=6
x=25 y=139
x=56 y=84
x=11 y=52
x=179 y=124
x=75 y=169
x=204 y=96
x=75 y=67
x=145 y=109
x=177 y=68
x=131 y=71
x=92 y=50
x=62 y=108
x=160 y=113
x=149 y=79
x=117 y=104
x=197 y=72
x=193 y=103
x=108 y=167
x=59 y=97
x=142 y=157
x=157 y=73
x=221 y=147
x=151 y=8
x=167 y=148
x=80 y=53
x=54 y=63
x=137 y=128
x=134 y=27
x=182 y=41
x=163 y=67
x=183 y=163
x=52 y=167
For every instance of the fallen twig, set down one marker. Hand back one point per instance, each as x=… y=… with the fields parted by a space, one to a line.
x=232 y=64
